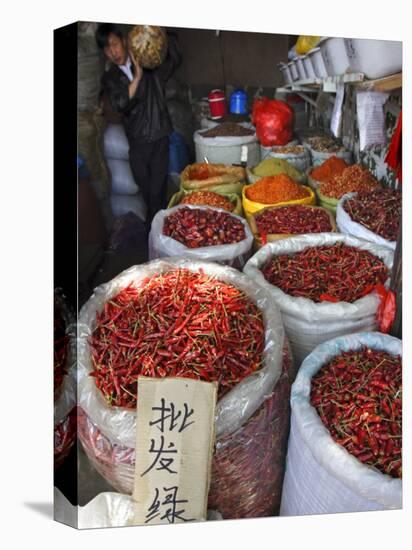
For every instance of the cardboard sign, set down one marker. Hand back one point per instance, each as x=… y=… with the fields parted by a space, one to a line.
x=174 y=444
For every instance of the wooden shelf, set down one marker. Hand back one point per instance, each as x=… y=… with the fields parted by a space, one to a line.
x=385 y=84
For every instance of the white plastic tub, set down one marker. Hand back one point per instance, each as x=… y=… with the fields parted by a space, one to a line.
x=293 y=70
x=307 y=63
x=300 y=68
x=318 y=63
x=334 y=55
x=285 y=70
x=226 y=150
x=374 y=58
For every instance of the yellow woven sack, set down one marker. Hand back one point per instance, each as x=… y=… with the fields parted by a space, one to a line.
x=250 y=207
x=306 y=43
x=233 y=197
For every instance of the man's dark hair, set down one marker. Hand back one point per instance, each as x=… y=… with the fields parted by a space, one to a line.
x=104 y=30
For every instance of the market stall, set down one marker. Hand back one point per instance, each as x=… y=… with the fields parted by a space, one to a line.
x=273 y=271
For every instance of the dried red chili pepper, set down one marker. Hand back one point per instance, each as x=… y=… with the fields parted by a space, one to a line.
x=179 y=323
x=293 y=219
x=203 y=227
x=333 y=273
x=372 y=432
x=379 y=211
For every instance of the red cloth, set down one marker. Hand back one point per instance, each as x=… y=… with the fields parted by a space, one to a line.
x=394 y=155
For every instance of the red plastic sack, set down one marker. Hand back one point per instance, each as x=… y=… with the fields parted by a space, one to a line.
x=394 y=155
x=387 y=309
x=273 y=119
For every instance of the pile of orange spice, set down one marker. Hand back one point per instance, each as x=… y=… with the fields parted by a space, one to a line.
x=275 y=189
x=333 y=166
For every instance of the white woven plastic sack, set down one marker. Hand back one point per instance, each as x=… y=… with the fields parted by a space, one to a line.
x=301 y=161
x=161 y=246
x=122 y=204
x=308 y=323
x=105 y=510
x=319 y=157
x=349 y=227
x=116 y=145
x=234 y=408
x=321 y=476
x=123 y=182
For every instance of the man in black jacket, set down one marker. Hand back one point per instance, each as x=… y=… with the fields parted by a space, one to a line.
x=139 y=95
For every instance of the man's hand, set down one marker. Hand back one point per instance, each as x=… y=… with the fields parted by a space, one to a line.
x=138 y=73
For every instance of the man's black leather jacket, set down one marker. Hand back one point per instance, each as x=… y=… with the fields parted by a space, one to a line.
x=145 y=115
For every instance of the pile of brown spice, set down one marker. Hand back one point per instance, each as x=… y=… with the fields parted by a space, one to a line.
x=227 y=129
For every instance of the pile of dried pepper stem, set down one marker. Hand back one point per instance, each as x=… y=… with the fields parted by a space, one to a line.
x=203 y=227
x=358 y=396
x=353 y=179
x=334 y=273
x=61 y=342
x=208 y=198
x=379 y=211
x=293 y=219
x=180 y=323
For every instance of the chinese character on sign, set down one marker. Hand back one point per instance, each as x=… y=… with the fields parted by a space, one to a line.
x=169 y=413
x=169 y=503
x=164 y=463
x=166 y=413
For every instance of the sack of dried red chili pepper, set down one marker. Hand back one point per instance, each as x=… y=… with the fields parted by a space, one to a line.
x=107 y=432
x=322 y=290
x=373 y=216
x=200 y=233
x=323 y=475
x=279 y=222
x=64 y=379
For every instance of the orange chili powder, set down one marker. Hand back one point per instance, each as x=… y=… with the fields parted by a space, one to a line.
x=274 y=189
x=332 y=167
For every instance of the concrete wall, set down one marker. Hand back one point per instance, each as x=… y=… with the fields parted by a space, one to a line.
x=233 y=58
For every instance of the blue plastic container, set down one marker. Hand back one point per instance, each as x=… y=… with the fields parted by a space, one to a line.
x=238 y=102
x=178 y=153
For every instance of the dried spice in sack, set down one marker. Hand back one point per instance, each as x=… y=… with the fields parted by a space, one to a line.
x=289 y=149
x=61 y=343
x=179 y=323
x=333 y=166
x=274 y=189
x=248 y=465
x=379 y=211
x=353 y=179
x=65 y=434
x=358 y=396
x=208 y=198
x=273 y=167
x=336 y=273
x=203 y=227
x=325 y=145
x=294 y=219
x=227 y=129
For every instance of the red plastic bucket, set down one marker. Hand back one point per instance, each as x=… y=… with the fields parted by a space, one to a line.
x=217 y=104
